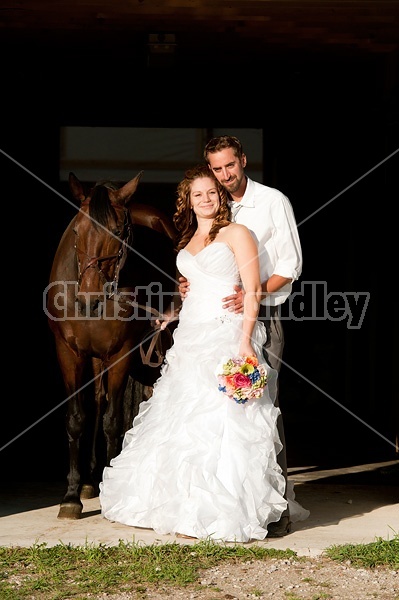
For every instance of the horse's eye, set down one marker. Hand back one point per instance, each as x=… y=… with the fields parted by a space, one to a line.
x=118 y=232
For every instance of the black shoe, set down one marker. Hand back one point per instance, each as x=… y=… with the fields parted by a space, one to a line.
x=279 y=528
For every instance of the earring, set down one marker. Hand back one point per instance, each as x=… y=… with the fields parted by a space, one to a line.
x=191 y=217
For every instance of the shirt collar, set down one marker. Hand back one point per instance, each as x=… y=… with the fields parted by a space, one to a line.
x=248 y=198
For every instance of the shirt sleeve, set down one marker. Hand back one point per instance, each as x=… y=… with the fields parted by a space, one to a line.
x=287 y=242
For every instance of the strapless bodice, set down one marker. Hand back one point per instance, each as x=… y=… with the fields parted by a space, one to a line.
x=212 y=274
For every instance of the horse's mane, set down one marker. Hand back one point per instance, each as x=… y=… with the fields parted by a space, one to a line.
x=100 y=207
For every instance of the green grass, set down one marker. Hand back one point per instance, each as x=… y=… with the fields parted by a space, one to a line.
x=378 y=553
x=75 y=572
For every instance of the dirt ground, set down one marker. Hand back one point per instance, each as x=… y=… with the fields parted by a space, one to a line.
x=317 y=578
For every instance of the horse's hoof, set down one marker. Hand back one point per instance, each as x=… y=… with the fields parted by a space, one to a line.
x=69 y=511
x=88 y=491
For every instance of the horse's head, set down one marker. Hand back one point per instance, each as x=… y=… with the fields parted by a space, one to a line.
x=102 y=231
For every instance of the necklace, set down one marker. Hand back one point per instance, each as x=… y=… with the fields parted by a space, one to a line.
x=235 y=207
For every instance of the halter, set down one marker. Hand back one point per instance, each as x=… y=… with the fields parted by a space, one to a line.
x=95 y=261
x=111 y=287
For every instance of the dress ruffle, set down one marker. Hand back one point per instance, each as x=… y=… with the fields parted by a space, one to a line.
x=195 y=462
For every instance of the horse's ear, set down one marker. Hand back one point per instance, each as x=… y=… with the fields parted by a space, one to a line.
x=76 y=188
x=125 y=192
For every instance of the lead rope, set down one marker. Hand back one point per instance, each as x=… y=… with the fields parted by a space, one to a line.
x=156 y=340
x=155 y=344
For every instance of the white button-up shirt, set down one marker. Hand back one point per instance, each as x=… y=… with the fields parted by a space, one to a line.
x=270 y=217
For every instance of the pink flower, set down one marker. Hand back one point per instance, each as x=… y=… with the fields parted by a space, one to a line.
x=241 y=381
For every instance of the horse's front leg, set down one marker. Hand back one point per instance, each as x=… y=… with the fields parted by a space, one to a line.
x=113 y=416
x=71 y=505
x=95 y=459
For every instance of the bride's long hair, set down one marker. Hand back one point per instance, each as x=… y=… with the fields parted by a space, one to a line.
x=185 y=219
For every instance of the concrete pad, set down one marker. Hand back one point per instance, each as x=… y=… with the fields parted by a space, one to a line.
x=341 y=512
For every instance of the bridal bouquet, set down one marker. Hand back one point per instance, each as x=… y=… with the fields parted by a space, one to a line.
x=242 y=379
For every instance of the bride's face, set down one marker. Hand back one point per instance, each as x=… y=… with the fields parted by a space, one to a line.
x=204 y=197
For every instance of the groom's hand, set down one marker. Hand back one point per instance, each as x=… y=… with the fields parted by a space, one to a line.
x=235 y=302
x=184 y=287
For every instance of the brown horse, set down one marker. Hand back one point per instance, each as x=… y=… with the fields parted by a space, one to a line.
x=102 y=301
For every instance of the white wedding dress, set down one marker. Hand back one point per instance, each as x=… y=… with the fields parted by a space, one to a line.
x=195 y=462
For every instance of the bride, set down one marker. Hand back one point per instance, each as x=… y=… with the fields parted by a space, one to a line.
x=195 y=462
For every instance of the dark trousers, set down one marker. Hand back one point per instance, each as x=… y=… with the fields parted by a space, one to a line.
x=273 y=353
